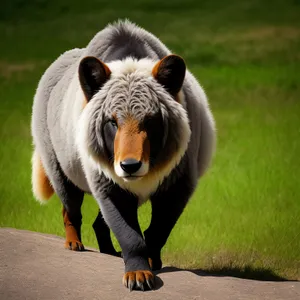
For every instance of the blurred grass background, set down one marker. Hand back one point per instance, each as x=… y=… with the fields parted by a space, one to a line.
x=245 y=215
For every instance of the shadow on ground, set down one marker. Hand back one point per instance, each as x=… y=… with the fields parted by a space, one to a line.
x=244 y=273
x=248 y=272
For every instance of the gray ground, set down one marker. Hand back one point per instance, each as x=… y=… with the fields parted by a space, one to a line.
x=36 y=266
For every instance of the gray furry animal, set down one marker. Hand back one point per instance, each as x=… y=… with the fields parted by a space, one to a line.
x=123 y=120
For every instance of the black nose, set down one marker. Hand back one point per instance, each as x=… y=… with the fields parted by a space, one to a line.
x=130 y=165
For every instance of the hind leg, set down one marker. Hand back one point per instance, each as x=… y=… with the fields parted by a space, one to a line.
x=71 y=198
x=102 y=232
x=72 y=227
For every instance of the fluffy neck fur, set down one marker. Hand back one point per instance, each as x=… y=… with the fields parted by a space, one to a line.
x=149 y=183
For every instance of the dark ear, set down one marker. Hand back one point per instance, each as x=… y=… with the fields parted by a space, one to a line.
x=93 y=73
x=170 y=72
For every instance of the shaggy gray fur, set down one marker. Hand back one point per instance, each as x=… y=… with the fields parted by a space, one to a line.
x=54 y=129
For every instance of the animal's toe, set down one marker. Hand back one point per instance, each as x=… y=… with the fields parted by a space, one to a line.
x=74 y=245
x=139 y=280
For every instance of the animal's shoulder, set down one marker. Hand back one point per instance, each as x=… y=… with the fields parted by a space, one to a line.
x=58 y=68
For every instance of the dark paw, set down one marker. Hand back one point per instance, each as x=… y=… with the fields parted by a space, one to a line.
x=155 y=263
x=139 y=280
x=74 y=245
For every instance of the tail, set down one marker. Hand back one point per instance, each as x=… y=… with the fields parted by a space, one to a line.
x=41 y=186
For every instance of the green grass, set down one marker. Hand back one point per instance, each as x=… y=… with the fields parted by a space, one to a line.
x=246 y=54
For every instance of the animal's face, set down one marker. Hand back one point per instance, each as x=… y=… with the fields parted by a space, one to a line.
x=133 y=127
x=134 y=144
x=136 y=127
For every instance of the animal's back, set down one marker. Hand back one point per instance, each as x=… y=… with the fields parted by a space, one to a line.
x=46 y=85
x=125 y=39
x=39 y=122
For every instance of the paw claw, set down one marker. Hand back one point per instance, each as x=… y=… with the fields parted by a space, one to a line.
x=139 y=280
x=74 y=245
x=125 y=282
x=140 y=285
x=150 y=283
x=131 y=285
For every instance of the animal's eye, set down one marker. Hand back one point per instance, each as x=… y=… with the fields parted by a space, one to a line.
x=155 y=133
x=109 y=132
x=114 y=123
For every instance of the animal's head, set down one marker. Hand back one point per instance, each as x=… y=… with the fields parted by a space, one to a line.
x=135 y=125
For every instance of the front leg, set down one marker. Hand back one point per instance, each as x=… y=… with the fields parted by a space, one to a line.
x=102 y=233
x=119 y=209
x=167 y=206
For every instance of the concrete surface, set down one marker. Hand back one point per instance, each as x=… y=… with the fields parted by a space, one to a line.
x=36 y=266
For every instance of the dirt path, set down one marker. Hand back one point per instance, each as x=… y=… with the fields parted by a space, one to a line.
x=36 y=266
